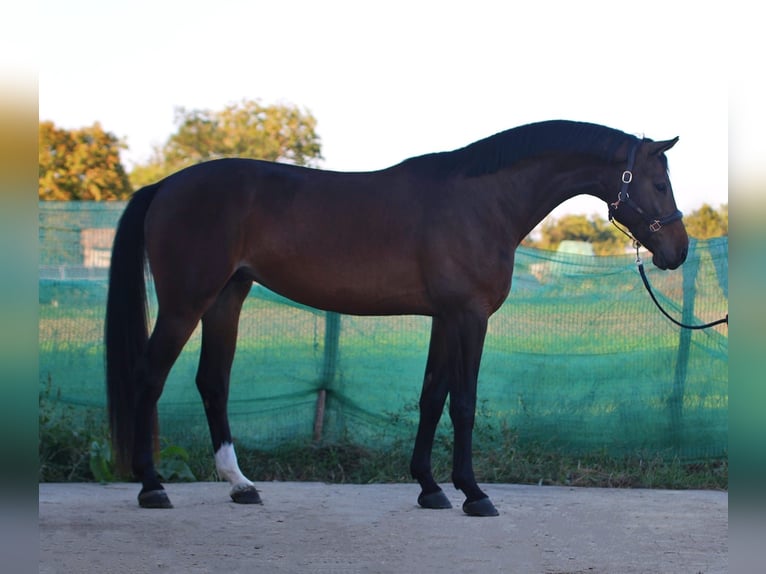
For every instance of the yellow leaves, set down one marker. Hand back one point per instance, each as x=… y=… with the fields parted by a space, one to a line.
x=81 y=164
x=604 y=237
x=707 y=222
x=85 y=163
x=245 y=129
x=704 y=223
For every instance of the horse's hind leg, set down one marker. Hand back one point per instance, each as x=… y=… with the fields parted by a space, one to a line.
x=168 y=338
x=219 y=339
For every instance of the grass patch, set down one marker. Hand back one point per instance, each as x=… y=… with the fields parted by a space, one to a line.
x=74 y=447
x=507 y=462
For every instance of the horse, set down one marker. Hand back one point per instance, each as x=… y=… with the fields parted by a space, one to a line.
x=434 y=235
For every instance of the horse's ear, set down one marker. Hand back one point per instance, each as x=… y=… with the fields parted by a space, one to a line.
x=663 y=146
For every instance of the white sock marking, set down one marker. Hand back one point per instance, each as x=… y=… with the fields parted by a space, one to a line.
x=227 y=467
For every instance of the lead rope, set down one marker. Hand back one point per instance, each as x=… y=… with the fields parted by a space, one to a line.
x=641 y=271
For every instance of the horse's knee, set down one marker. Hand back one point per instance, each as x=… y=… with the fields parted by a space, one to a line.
x=462 y=413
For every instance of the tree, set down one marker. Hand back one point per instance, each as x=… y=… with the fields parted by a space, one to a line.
x=82 y=164
x=703 y=223
x=706 y=222
x=245 y=129
x=606 y=239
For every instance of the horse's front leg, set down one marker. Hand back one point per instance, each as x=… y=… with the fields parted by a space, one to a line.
x=465 y=362
x=432 y=399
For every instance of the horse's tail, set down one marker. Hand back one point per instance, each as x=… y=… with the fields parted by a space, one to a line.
x=126 y=328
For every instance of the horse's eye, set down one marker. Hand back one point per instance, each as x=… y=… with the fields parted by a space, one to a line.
x=661 y=187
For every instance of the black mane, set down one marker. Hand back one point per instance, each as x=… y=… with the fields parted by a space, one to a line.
x=504 y=149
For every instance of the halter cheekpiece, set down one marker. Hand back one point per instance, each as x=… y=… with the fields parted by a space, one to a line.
x=623 y=197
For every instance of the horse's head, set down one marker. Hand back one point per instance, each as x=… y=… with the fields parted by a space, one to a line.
x=646 y=206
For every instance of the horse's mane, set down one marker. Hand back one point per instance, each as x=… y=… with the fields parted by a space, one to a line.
x=504 y=149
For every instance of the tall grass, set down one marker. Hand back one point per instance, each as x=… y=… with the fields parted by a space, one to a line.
x=74 y=447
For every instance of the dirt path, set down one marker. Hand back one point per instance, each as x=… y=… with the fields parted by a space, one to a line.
x=350 y=529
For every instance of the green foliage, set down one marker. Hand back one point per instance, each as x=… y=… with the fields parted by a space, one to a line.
x=704 y=223
x=605 y=237
x=249 y=129
x=67 y=440
x=75 y=448
x=173 y=465
x=499 y=456
x=81 y=164
x=707 y=222
x=100 y=462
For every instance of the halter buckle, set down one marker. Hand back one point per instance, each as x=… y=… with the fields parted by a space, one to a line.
x=627 y=176
x=621 y=196
x=655 y=226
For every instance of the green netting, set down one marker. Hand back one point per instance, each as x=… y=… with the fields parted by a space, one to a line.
x=578 y=357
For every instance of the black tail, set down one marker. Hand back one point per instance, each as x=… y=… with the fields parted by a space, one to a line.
x=126 y=328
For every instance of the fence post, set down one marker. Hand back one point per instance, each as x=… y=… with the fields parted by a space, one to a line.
x=329 y=369
x=676 y=402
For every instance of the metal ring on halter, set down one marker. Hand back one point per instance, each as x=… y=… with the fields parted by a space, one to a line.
x=627 y=176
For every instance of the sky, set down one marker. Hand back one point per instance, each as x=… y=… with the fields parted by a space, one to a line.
x=391 y=80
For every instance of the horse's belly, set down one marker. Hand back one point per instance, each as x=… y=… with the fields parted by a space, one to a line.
x=356 y=288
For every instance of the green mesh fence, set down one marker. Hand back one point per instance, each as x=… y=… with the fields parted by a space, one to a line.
x=578 y=358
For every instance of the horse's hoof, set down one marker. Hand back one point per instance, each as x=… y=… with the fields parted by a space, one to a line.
x=154 y=499
x=481 y=507
x=245 y=495
x=436 y=500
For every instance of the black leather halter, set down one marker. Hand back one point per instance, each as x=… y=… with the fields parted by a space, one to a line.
x=623 y=198
x=655 y=224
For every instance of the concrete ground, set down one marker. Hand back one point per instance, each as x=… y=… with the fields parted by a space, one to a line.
x=378 y=528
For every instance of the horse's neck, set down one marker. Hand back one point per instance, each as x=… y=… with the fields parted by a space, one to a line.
x=532 y=192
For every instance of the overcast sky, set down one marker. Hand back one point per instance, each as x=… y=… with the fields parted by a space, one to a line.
x=389 y=80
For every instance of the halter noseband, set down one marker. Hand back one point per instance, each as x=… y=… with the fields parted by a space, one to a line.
x=623 y=197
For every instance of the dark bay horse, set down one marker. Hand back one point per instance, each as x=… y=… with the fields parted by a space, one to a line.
x=434 y=235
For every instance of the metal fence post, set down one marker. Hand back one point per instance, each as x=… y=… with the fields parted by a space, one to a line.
x=329 y=369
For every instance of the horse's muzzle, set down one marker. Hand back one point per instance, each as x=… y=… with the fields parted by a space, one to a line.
x=664 y=262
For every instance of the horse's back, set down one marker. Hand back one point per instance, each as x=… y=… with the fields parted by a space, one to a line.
x=346 y=241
